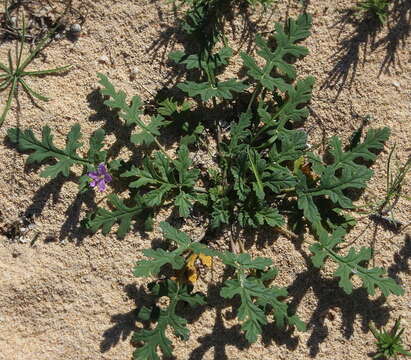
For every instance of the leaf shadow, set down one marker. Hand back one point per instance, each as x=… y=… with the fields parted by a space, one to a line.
x=50 y=192
x=218 y=339
x=221 y=336
x=366 y=29
x=399 y=28
x=385 y=222
x=347 y=56
x=124 y=324
x=239 y=22
x=265 y=237
x=400 y=264
x=273 y=334
x=329 y=296
x=112 y=124
x=72 y=228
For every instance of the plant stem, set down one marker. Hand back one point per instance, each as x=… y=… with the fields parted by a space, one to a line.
x=289 y=190
x=9 y=100
x=256 y=92
x=263 y=128
x=219 y=140
x=161 y=148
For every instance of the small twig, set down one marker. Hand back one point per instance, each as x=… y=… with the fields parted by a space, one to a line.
x=162 y=149
x=357 y=238
x=287 y=232
x=200 y=189
x=146 y=89
x=234 y=247
x=237 y=247
x=101 y=200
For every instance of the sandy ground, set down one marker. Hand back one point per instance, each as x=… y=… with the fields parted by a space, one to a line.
x=72 y=296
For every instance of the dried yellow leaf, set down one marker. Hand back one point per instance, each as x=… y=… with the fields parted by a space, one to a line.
x=206 y=260
x=191 y=271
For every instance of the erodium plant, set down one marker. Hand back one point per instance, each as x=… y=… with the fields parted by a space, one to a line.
x=261 y=174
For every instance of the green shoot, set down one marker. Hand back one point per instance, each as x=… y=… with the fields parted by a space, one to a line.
x=14 y=74
x=389 y=343
x=395 y=183
x=384 y=208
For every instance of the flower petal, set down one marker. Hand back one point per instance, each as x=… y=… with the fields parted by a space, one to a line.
x=101 y=185
x=101 y=169
x=93 y=175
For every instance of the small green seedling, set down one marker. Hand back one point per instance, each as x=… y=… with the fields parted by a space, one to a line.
x=15 y=72
x=395 y=183
x=384 y=208
x=389 y=343
x=375 y=8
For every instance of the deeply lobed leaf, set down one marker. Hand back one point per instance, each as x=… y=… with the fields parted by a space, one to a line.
x=286 y=39
x=350 y=265
x=168 y=318
x=256 y=297
x=131 y=113
x=45 y=149
x=342 y=174
x=122 y=214
x=207 y=91
x=166 y=178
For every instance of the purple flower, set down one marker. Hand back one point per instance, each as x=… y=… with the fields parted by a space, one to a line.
x=100 y=177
